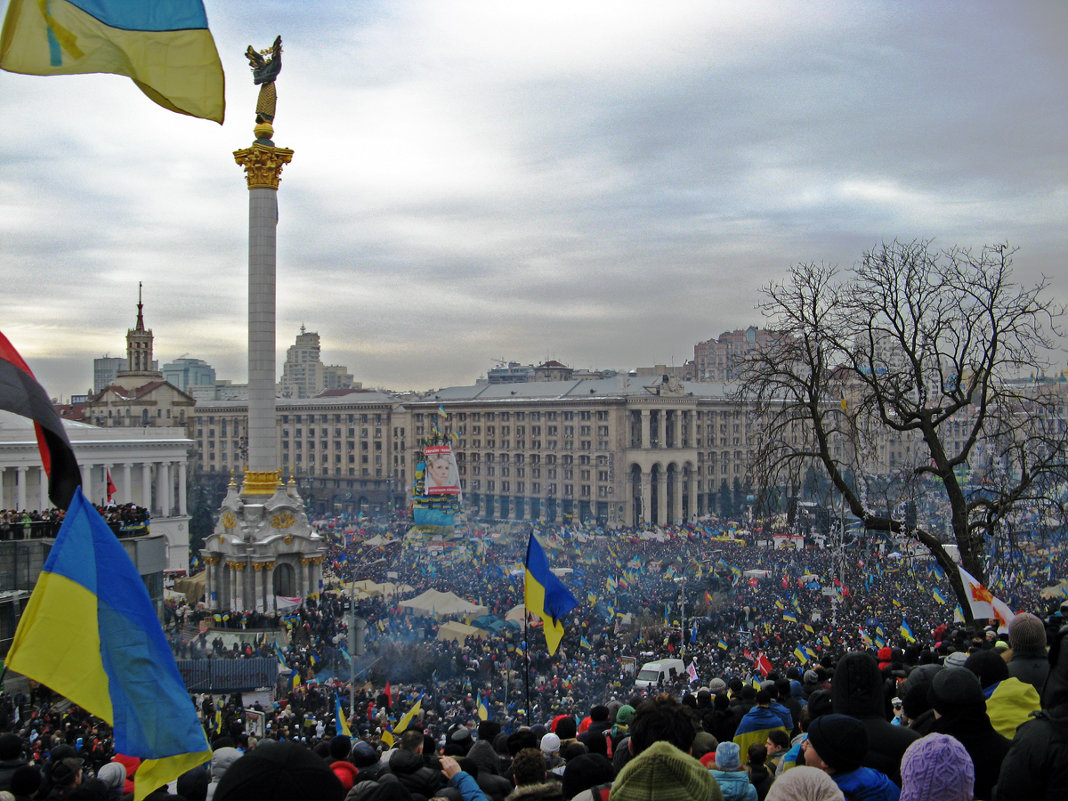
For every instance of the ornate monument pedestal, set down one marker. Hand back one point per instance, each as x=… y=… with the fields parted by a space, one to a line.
x=262 y=549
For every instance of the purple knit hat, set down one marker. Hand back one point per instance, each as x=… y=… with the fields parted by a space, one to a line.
x=937 y=766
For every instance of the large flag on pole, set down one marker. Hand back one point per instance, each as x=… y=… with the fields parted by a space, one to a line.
x=164 y=46
x=21 y=394
x=91 y=634
x=545 y=595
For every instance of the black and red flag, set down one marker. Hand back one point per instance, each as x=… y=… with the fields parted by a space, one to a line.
x=22 y=395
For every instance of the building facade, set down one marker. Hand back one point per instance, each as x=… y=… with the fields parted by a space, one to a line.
x=304 y=375
x=719 y=359
x=623 y=450
x=149 y=468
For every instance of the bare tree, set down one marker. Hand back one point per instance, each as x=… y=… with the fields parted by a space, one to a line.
x=893 y=378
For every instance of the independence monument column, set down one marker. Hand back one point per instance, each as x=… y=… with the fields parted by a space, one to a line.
x=263 y=553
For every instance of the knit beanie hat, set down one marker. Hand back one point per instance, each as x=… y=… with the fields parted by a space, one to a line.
x=566 y=728
x=988 y=666
x=664 y=773
x=113 y=775
x=703 y=742
x=956 y=659
x=840 y=740
x=340 y=746
x=550 y=744
x=937 y=766
x=624 y=715
x=728 y=756
x=279 y=771
x=1027 y=633
x=586 y=771
x=717 y=685
x=804 y=784
x=956 y=691
x=26 y=780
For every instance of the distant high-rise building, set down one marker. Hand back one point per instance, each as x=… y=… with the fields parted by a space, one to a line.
x=105 y=369
x=718 y=360
x=186 y=373
x=304 y=375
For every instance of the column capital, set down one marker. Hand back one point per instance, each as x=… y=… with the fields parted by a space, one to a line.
x=263 y=165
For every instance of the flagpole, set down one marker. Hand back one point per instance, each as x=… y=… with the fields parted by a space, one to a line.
x=526 y=654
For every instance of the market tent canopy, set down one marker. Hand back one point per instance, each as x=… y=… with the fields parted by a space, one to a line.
x=443 y=604
x=192 y=587
x=458 y=632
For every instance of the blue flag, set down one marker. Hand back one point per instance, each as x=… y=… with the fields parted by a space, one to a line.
x=545 y=596
x=91 y=634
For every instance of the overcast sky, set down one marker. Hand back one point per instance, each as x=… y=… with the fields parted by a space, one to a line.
x=603 y=183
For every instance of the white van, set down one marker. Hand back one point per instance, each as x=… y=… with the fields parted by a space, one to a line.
x=662 y=670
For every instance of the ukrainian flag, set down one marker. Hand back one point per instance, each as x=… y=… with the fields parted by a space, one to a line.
x=789 y=617
x=938 y=596
x=906 y=631
x=339 y=716
x=165 y=47
x=802 y=657
x=545 y=595
x=91 y=634
x=402 y=724
x=484 y=711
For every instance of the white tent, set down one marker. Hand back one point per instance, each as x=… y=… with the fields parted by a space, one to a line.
x=443 y=604
x=458 y=632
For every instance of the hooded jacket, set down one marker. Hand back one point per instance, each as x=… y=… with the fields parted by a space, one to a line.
x=857 y=691
x=1036 y=765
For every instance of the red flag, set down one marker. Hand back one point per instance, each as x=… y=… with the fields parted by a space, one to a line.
x=763 y=664
x=389 y=697
x=21 y=394
x=111 y=487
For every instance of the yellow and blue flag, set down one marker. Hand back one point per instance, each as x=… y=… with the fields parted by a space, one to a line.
x=906 y=631
x=339 y=716
x=938 y=596
x=545 y=595
x=90 y=633
x=165 y=47
x=402 y=724
x=484 y=711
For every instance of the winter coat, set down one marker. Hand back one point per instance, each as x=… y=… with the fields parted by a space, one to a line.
x=415 y=774
x=735 y=785
x=857 y=691
x=547 y=791
x=761 y=776
x=468 y=787
x=865 y=784
x=986 y=747
x=1036 y=766
x=1030 y=666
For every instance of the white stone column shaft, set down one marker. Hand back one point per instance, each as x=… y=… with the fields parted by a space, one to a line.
x=262 y=228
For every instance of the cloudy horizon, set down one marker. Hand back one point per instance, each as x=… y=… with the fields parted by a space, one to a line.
x=605 y=184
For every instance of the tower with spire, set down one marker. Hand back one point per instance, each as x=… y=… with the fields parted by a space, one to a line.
x=140 y=368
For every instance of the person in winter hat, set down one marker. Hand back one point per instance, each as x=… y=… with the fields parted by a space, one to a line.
x=857 y=691
x=804 y=784
x=221 y=760
x=837 y=744
x=664 y=773
x=937 y=768
x=1027 y=639
x=729 y=774
x=1036 y=766
x=279 y=771
x=1009 y=701
x=958 y=702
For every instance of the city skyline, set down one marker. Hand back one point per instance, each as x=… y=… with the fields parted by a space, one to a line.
x=602 y=184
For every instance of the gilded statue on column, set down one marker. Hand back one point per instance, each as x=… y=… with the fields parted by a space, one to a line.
x=266 y=64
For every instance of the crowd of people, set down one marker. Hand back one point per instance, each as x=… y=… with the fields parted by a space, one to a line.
x=810 y=671
x=19 y=524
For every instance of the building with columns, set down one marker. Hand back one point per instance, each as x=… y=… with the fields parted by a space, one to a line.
x=147 y=465
x=625 y=450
